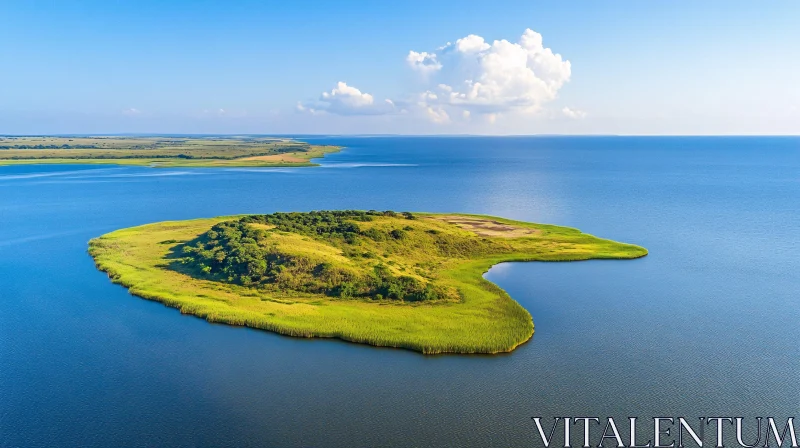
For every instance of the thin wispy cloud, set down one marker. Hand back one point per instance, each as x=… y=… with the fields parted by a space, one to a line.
x=573 y=113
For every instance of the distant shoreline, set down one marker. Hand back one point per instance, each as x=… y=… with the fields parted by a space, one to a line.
x=162 y=152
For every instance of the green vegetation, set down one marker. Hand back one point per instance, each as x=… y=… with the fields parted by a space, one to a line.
x=381 y=278
x=243 y=253
x=160 y=151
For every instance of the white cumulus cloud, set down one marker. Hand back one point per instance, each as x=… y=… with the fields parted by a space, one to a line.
x=347 y=100
x=423 y=62
x=471 y=44
x=467 y=79
x=501 y=77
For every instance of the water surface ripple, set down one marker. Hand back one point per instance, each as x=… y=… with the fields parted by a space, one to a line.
x=707 y=324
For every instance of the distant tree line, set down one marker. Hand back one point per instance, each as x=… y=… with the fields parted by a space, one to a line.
x=48 y=147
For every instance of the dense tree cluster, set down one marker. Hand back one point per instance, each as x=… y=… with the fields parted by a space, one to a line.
x=328 y=224
x=237 y=252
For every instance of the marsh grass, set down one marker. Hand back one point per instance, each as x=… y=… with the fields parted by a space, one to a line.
x=149 y=261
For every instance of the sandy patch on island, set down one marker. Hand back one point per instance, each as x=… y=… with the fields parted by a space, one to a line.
x=288 y=157
x=487 y=227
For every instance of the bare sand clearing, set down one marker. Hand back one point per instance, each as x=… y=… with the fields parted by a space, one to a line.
x=288 y=157
x=487 y=227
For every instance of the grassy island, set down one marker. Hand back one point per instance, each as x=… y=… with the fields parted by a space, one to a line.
x=382 y=278
x=161 y=151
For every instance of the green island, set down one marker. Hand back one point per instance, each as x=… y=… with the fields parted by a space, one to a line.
x=161 y=151
x=408 y=280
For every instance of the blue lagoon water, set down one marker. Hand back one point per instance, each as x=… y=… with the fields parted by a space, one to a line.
x=707 y=324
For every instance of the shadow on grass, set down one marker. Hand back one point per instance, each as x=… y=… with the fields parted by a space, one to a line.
x=177 y=260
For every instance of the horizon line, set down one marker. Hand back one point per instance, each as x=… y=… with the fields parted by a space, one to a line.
x=317 y=135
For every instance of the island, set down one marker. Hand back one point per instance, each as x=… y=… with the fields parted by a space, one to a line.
x=207 y=151
x=407 y=280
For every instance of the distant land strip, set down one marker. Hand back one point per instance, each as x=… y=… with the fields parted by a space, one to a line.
x=239 y=151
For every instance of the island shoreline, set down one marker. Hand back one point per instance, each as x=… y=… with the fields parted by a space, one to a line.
x=486 y=297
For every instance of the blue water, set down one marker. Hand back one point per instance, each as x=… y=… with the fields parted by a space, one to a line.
x=707 y=324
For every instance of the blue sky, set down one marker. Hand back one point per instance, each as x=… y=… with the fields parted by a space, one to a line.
x=634 y=67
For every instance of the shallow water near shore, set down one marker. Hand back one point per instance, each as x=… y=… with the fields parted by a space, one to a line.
x=707 y=324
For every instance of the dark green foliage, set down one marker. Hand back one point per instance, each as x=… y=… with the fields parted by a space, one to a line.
x=236 y=253
x=397 y=234
x=336 y=224
x=375 y=234
x=326 y=224
x=405 y=288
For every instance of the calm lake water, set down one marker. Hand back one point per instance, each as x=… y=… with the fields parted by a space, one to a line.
x=706 y=325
